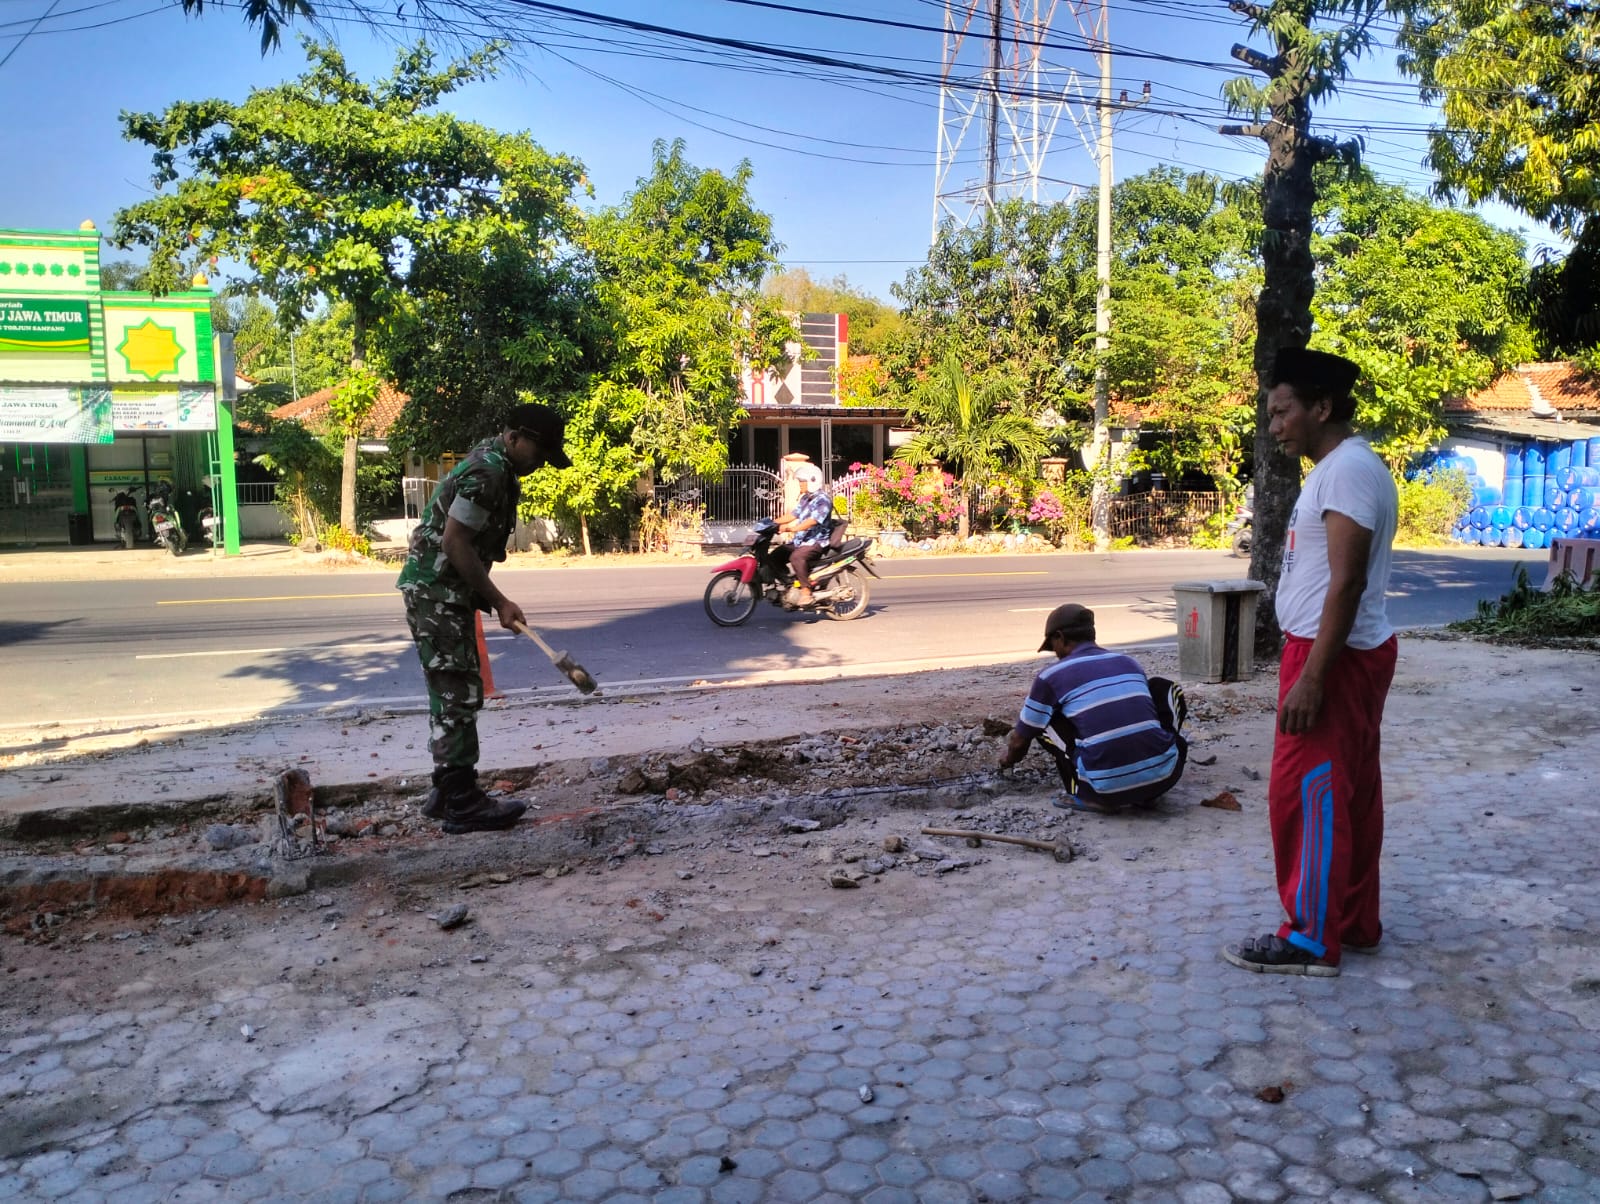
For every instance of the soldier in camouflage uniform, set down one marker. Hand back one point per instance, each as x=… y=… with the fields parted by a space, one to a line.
x=461 y=536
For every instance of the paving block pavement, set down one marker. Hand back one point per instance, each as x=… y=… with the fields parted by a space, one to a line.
x=715 y=1024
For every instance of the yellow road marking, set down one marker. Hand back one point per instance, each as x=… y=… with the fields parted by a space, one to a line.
x=1012 y=573
x=388 y=593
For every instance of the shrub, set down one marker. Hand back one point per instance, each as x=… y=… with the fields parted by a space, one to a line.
x=1429 y=507
x=899 y=495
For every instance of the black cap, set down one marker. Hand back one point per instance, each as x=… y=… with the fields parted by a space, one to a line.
x=543 y=424
x=1070 y=620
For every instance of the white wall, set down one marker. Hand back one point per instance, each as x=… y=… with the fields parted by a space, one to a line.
x=262 y=522
x=1489 y=456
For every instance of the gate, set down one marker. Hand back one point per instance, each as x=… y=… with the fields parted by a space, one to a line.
x=728 y=505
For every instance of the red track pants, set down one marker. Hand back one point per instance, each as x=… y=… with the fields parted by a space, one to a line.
x=1326 y=803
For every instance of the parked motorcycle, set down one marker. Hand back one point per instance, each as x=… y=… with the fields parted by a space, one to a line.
x=164 y=521
x=210 y=524
x=839 y=576
x=1240 y=527
x=125 y=507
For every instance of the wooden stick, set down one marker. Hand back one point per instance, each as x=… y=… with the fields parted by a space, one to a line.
x=1061 y=849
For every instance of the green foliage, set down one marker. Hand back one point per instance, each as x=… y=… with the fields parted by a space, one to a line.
x=1529 y=616
x=969 y=427
x=309 y=468
x=335 y=190
x=353 y=400
x=872 y=322
x=677 y=312
x=1423 y=298
x=1519 y=87
x=1007 y=298
x=1429 y=507
x=270 y=16
x=900 y=496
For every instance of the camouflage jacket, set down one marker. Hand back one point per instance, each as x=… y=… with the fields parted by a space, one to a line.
x=481 y=492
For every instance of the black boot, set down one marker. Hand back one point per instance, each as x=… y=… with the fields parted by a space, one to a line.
x=433 y=805
x=469 y=809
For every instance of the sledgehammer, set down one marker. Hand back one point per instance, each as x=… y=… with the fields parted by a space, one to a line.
x=575 y=673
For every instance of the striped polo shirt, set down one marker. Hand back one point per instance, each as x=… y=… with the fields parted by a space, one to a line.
x=1105 y=698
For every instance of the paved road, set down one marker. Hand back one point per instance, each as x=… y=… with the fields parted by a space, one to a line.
x=131 y=650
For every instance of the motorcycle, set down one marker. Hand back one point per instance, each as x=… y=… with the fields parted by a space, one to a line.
x=1239 y=527
x=164 y=518
x=839 y=577
x=210 y=524
x=126 y=508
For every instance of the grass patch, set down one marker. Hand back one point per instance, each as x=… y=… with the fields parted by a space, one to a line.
x=1530 y=616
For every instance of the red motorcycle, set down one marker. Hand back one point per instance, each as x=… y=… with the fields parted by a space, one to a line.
x=839 y=576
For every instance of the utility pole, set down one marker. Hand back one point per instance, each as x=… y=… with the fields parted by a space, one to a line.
x=990 y=196
x=1100 y=463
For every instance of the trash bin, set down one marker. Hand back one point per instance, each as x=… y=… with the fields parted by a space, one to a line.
x=80 y=529
x=1217 y=629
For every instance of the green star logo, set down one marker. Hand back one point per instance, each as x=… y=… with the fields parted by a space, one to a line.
x=150 y=349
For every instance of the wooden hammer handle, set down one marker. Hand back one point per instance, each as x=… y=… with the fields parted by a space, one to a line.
x=534 y=636
x=1048 y=846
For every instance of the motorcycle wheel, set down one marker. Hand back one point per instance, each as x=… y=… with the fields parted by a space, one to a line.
x=175 y=543
x=729 y=601
x=125 y=533
x=1241 y=543
x=854 y=602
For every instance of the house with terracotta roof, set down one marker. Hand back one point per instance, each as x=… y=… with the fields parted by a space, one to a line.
x=1543 y=403
x=314 y=411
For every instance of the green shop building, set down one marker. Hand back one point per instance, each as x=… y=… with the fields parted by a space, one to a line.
x=105 y=390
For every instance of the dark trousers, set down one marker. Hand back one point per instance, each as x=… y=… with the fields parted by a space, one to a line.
x=1163 y=692
x=800 y=562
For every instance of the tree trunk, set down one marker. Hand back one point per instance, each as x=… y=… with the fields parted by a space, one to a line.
x=1283 y=319
x=352 y=440
x=583 y=531
x=964 y=520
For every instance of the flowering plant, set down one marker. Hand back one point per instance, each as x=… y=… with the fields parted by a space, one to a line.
x=901 y=495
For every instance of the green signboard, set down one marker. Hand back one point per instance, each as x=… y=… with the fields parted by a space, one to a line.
x=43 y=324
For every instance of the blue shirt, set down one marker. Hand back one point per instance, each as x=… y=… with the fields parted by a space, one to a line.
x=818 y=504
x=1105 y=699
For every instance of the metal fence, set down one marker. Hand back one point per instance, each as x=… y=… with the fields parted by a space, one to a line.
x=258 y=493
x=1163 y=517
x=743 y=494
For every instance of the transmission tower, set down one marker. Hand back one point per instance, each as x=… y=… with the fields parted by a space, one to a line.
x=1003 y=97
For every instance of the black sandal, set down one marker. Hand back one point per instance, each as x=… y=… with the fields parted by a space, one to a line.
x=1274 y=955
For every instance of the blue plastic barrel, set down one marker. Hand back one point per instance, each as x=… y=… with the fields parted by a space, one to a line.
x=1533 y=538
x=1512 y=538
x=1511 y=495
x=1522 y=517
x=1580 y=453
x=1542 y=519
x=1559 y=458
x=1480 y=517
x=1551 y=488
x=1513 y=461
x=1500 y=516
x=1583 y=498
x=1533 y=460
x=1590 y=520
x=1565 y=521
x=1557 y=500
x=1593 y=458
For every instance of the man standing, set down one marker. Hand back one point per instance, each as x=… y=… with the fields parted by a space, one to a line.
x=1325 y=796
x=1119 y=736
x=461 y=536
x=812 y=524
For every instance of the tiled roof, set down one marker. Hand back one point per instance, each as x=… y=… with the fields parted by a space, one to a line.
x=1560 y=385
x=314 y=410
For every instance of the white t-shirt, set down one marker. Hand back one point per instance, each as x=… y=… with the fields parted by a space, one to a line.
x=1353 y=481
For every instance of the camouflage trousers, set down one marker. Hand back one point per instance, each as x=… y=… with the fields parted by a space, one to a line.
x=448 y=648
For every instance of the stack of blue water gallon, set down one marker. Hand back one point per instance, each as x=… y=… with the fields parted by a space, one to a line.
x=1552 y=491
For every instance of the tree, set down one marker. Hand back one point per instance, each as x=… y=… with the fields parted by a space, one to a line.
x=1307 y=63
x=872 y=322
x=1519 y=88
x=679 y=265
x=971 y=428
x=1005 y=298
x=331 y=189
x=1424 y=299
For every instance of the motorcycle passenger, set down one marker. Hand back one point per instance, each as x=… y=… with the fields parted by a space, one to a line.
x=811 y=523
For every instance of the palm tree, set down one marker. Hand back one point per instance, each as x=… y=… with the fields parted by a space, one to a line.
x=971 y=429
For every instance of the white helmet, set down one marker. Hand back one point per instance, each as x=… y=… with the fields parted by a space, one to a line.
x=808 y=474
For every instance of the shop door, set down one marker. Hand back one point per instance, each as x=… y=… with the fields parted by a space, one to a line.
x=35 y=493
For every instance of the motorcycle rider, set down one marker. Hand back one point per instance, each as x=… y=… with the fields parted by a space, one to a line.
x=811 y=523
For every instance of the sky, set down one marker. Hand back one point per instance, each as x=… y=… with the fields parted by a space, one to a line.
x=843 y=158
